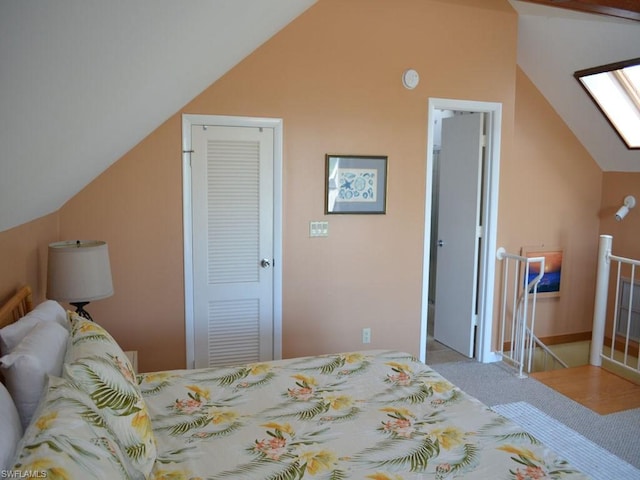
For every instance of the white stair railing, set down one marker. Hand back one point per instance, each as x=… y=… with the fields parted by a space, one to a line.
x=624 y=314
x=547 y=354
x=517 y=316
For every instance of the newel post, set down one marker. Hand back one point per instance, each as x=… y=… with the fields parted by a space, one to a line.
x=600 y=306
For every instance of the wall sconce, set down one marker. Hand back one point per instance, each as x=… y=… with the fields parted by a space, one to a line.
x=78 y=273
x=629 y=203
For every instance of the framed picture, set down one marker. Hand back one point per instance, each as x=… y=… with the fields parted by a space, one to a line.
x=355 y=184
x=551 y=281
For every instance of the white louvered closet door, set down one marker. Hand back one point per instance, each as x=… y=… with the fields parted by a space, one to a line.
x=232 y=205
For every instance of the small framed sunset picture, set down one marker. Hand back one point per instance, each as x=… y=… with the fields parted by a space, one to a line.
x=551 y=281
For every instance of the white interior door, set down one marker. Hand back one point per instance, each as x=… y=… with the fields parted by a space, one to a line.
x=232 y=244
x=459 y=231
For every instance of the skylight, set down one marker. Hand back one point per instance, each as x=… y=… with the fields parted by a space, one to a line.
x=615 y=89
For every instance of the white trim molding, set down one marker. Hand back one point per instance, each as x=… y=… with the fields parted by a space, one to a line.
x=483 y=352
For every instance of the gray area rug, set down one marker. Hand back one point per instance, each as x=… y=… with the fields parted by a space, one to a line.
x=496 y=384
x=579 y=451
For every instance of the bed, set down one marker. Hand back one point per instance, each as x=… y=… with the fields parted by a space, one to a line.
x=374 y=414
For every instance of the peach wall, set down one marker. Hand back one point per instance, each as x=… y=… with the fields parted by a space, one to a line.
x=23 y=256
x=550 y=195
x=136 y=207
x=616 y=186
x=334 y=76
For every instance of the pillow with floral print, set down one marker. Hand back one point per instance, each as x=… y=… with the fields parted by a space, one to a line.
x=69 y=440
x=99 y=366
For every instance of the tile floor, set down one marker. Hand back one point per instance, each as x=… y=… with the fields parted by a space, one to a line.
x=439 y=353
x=436 y=351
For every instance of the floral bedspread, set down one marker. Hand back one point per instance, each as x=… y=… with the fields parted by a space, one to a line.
x=364 y=415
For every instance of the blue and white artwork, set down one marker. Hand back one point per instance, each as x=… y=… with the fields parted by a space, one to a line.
x=357 y=185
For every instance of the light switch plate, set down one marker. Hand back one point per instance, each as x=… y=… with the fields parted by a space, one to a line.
x=318 y=229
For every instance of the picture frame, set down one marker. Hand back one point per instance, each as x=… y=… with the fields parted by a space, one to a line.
x=551 y=282
x=355 y=184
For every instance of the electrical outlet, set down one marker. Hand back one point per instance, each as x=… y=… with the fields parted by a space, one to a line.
x=366 y=335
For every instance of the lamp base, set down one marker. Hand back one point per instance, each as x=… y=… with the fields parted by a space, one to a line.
x=81 y=311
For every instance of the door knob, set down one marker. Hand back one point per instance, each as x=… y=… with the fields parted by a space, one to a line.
x=441 y=243
x=265 y=263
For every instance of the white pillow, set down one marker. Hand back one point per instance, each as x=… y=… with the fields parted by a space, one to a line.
x=25 y=369
x=10 y=427
x=49 y=310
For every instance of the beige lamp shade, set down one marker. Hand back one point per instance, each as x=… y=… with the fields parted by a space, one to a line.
x=79 y=271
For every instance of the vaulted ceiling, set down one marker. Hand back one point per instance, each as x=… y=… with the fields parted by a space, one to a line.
x=553 y=43
x=83 y=81
x=627 y=9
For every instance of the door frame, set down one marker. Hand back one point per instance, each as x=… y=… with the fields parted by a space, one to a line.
x=491 y=174
x=188 y=120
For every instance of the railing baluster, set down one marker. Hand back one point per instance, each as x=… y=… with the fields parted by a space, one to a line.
x=615 y=314
x=605 y=257
x=630 y=305
x=523 y=341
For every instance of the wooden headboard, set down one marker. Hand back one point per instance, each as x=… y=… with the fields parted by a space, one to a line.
x=16 y=307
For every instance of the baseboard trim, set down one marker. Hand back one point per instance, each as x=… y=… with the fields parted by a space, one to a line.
x=492 y=357
x=619 y=345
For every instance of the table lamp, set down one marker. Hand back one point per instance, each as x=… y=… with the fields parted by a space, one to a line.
x=78 y=273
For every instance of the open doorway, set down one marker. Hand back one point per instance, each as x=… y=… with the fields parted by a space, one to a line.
x=461 y=226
